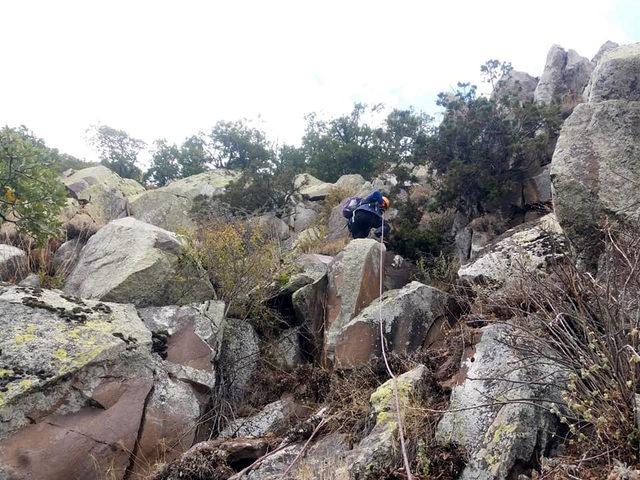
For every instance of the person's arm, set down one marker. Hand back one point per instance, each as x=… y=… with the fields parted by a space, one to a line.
x=387 y=229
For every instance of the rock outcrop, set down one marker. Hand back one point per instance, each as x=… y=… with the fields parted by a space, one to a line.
x=523 y=249
x=172 y=207
x=517 y=84
x=485 y=416
x=239 y=357
x=13 y=263
x=353 y=283
x=129 y=261
x=74 y=379
x=102 y=195
x=564 y=78
x=412 y=316
x=597 y=157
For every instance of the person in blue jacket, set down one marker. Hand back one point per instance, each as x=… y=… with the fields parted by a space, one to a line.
x=370 y=214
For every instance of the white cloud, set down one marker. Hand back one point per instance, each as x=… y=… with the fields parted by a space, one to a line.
x=168 y=69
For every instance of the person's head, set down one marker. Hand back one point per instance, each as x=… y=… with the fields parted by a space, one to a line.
x=385 y=203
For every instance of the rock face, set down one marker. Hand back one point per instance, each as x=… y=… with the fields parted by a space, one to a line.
x=74 y=378
x=129 y=261
x=564 y=78
x=521 y=85
x=189 y=336
x=239 y=357
x=524 y=248
x=498 y=436
x=353 y=283
x=66 y=257
x=171 y=207
x=103 y=194
x=411 y=316
x=596 y=164
x=273 y=418
x=13 y=263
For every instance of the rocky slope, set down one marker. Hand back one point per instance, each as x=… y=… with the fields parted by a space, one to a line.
x=129 y=370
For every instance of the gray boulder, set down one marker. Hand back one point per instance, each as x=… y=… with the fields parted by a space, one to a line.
x=412 y=316
x=273 y=418
x=239 y=357
x=537 y=189
x=14 y=263
x=596 y=164
x=604 y=48
x=75 y=375
x=66 y=257
x=103 y=194
x=526 y=248
x=171 y=207
x=496 y=433
x=129 y=261
x=520 y=85
x=353 y=283
x=312 y=188
x=286 y=350
x=564 y=78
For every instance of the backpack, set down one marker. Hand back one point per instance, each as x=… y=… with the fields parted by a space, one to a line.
x=349 y=206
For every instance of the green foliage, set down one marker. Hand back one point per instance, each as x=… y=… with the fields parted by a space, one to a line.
x=194 y=156
x=165 y=164
x=31 y=195
x=117 y=150
x=238 y=146
x=494 y=70
x=485 y=146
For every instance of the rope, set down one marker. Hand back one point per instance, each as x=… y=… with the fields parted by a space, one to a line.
x=394 y=379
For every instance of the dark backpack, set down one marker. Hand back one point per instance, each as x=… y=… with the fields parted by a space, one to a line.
x=349 y=206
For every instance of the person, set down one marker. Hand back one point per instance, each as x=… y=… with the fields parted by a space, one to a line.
x=369 y=214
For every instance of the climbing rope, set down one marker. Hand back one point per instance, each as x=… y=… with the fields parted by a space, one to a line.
x=394 y=379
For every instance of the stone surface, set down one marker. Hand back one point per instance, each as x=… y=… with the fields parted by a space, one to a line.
x=239 y=357
x=497 y=435
x=287 y=349
x=170 y=207
x=275 y=417
x=304 y=215
x=190 y=335
x=595 y=172
x=617 y=75
x=309 y=306
x=520 y=85
x=523 y=249
x=537 y=189
x=272 y=226
x=74 y=377
x=14 y=263
x=604 y=48
x=312 y=188
x=129 y=261
x=351 y=184
x=564 y=78
x=412 y=316
x=103 y=194
x=31 y=280
x=66 y=257
x=353 y=283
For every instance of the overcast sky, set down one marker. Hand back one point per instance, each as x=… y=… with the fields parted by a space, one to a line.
x=168 y=69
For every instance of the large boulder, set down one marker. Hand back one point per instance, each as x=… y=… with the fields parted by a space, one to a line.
x=239 y=357
x=520 y=85
x=14 y=263
x=103 y=194
x=526 y=248
x=74 y=378
x=353 y=283
x=274 y=418
x=189 y=336
x=487 y=415
x=311 y=188
x=172 y=207
x=411 y=316
x=564 y=78
x=308 y=305
x=129 y=261
x=596 y=165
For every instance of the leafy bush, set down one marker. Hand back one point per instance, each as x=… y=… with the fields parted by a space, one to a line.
x=242 y=260
x=31 y=196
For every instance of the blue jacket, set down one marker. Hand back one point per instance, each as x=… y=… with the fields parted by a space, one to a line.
x=372 y=203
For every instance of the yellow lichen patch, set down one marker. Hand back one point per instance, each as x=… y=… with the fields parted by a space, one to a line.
x=22 y=338
x=30 y=330
x=381 y=400
x=5 y=372
x=61 y=354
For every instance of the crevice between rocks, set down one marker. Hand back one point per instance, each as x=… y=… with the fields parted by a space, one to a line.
x=136 y=445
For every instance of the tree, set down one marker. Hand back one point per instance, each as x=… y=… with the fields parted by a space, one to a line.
x=494 y=70
x=404 y=137
x=340 y=146
x=238 y=146
x=165 y=164
x=117 y=150
x=194 y=158
x=31 y=194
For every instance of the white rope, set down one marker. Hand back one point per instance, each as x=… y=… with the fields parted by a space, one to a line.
x=405 y=457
